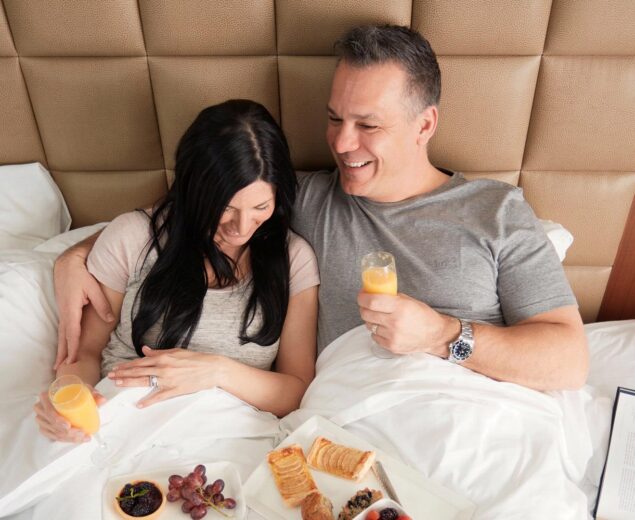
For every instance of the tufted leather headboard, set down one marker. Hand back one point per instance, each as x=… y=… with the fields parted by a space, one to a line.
x=537 y=93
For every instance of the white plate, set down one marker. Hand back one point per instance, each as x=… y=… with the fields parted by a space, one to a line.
x=421 y=497
x=172 y=511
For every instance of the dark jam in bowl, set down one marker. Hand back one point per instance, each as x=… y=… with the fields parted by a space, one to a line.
x=135 y=501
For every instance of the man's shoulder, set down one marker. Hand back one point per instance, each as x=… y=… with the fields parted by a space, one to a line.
x=316 y=179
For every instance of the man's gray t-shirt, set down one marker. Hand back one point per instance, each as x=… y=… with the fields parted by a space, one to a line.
x=469 y=249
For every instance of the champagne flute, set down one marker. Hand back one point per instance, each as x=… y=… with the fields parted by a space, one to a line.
x=73 y=400
x=379 y=276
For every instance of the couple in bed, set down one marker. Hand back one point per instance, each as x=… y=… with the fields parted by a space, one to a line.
x=212 y=288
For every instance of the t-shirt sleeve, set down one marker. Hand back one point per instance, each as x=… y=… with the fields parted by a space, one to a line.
x=531 y=279
x=115 y=255
x=304 y=271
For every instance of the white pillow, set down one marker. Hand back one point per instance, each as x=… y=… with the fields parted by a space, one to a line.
x=32 y=208
x=559 y=236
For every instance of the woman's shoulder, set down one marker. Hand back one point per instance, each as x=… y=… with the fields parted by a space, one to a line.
x=298 y=246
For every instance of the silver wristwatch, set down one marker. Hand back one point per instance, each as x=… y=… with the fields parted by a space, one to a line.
x=463 y=346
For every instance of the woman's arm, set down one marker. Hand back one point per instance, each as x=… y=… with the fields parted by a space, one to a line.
x=180 y=371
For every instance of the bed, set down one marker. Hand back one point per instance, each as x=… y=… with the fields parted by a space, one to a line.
x=93 y=97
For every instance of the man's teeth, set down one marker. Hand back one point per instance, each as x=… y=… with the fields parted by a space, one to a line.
x=356 y=164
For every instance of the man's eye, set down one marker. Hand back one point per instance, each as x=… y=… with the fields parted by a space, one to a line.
x=334 y=119
x=368 y=127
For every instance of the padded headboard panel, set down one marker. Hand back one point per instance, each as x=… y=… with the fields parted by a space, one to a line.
x=536 y=93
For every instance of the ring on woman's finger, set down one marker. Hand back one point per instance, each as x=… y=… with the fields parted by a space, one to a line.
x=154 y=382
x=373 y=329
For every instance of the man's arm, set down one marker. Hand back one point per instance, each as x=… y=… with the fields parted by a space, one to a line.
x=546 y=352
x=74 y=288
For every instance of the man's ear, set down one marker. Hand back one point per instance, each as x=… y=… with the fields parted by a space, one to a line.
x=427 y=124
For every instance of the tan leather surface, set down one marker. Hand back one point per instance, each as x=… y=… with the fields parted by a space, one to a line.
x=508 y=177
x=19 y=138
x=6 y=41
x=75 y=28
x=593 y=206
x=184 y=86
x=305 y=84
x=494 y=27
x=584 y=115
x=591 y=27
x=94 y=113
x=588 y=284
x=208 y=27
x=101 y=196
x=310 y=27
x=100 y=92
x=484 y=112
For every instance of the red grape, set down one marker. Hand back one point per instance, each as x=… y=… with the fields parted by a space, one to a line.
x=218 y=486
x=187 y=506
x=176 y=480
x=200 y=469
x=218 y=498
x=173 y=495
x=229 y=503
x=196 y=499
x=198 y=512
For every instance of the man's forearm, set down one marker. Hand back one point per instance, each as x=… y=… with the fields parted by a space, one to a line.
x=538 y=354
x=81 y=249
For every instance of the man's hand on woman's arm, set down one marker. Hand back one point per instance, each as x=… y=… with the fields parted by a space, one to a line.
x=75 y=287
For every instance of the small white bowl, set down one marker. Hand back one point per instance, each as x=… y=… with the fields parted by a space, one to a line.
x=378 y=506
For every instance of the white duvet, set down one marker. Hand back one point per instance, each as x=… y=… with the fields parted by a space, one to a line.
x=516 y=453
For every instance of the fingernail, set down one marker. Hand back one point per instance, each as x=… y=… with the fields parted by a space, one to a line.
x=119 y=382
x=139 y=405
x=111 y=374
x=110 y=317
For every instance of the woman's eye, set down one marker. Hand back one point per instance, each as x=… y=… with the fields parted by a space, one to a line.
x=263 y=208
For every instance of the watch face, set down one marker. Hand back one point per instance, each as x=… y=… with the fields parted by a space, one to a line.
x=461 y=350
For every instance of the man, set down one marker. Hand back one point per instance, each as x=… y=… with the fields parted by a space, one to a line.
x=480 y=283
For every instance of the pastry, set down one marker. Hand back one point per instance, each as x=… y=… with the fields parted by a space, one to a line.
x=340 y=460
x=316 y=507
x=358 y=502
x=291 y=474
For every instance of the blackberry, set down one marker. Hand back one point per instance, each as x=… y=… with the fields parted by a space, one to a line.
x=388 y=514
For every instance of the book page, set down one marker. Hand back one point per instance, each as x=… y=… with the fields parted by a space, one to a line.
x=617 y=495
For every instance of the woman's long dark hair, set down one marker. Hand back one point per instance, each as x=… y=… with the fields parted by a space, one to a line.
x=227 y=147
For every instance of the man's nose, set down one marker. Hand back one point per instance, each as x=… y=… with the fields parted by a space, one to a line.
x=345 y=139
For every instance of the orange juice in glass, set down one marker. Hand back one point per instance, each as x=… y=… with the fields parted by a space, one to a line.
x=73 y=400
x=379 y=276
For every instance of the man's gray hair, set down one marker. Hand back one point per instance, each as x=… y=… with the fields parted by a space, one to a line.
x=367 y=45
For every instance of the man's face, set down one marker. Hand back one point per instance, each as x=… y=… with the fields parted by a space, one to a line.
x=372 y=136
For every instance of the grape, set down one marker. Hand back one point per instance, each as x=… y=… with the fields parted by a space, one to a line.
x=196 y=499
x=209 y=490
x=218 y=486
x=173 y=495
x=176 y=480
x=186 y=492
x=200 y=470
x=218 y=498
x=196 y=480
x=187 y=506
x=198 y=512
x=204 y=477
x=229 y=503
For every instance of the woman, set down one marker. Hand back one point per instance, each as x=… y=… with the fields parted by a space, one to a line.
x=211 y=288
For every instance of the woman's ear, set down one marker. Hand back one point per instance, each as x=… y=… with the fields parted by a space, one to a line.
x=427 y=124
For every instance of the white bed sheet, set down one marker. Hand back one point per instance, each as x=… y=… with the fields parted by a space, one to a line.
x=499 y=444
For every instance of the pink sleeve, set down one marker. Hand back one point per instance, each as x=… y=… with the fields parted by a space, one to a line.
x=304 y=271
x=116 y=252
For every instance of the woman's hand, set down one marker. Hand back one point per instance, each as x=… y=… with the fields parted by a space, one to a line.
x=56 y=427
x=178 y=372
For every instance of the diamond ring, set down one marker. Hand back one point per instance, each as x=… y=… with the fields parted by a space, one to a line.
x=154 y=382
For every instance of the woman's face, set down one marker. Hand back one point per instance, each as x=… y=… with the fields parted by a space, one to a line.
x=246 y=211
